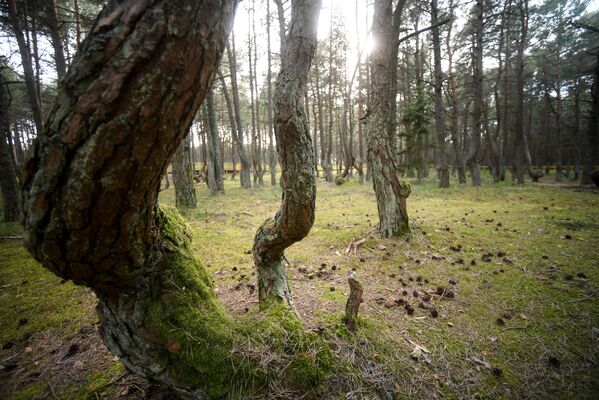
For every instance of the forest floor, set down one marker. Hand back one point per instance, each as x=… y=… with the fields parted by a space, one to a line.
x=511 y=275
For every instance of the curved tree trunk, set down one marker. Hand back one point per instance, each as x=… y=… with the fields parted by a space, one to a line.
x=295 y=217
x=185 y=194
x=391 y=192
x=91 y=182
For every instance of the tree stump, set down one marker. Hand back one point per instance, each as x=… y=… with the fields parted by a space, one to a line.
x=353 y=302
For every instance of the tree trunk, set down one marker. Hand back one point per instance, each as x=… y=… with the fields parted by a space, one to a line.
x=214 y=178
x=244 y=159
x=254 y=102
x=391 y=192
x=295 y=217
x=185 y=194
x=27 y=63
x=54 y=28
x=520 y=144
x=591 y=152
x=477 y=63
x=271 y=147
x=442 y=165
x=8 y=175
x=325 y=162
x=453 y=100
x=91 y=182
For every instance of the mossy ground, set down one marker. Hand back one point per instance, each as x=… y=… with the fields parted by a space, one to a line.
x=523 y=322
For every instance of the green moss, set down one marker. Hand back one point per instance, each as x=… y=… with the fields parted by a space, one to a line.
x=206 y=347
x=30 y=391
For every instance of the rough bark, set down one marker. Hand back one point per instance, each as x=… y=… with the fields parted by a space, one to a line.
x=244 y=159
x=27 y=63
x=472 y=160
x=215 y=179
x=8 y=175
x=91 y=181
x=295 y=217
x=391 y=192
x=185 y=194
x=442 y=164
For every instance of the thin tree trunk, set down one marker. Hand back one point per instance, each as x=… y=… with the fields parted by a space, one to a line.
x=442 y=164
x=520 y=148
x=244 y=159
x=591 y=153
x=185 y=194
x=8 y=175
x=271 y=147
x=54 y=28
x=77 y=23
x=27 y=63
x=477 y=63
x=214 y=178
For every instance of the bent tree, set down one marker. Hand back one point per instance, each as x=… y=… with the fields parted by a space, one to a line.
x=90 y=199
x=295 y=217
x=391 y=191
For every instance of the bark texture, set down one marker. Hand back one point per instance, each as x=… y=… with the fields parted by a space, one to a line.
x=391 y=191
x=185 y=194
x=91 y=181
x=295 y=217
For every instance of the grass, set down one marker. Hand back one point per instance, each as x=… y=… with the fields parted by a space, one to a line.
x=521 y=261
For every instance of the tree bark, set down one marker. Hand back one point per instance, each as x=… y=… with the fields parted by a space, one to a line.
x=591 y=152
x=91 y=181
x=453 y=100
x=477 y=65
x=185 y=194
x=8 y=175
x=214 y=178
x=442 y=164
x=54 y=28
x=27 y=63
x=520 y=143
x=244 y=159
x=295 y=217
x=271 y=147
x=391 y=192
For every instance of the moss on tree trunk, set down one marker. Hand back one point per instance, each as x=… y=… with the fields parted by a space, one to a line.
x=90 y=202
